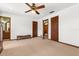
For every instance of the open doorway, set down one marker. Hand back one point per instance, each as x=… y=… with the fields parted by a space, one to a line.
x=6 y=22
x=54 y=28
x=45 y=29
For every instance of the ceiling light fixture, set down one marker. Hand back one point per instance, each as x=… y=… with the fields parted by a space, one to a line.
x=33 y=11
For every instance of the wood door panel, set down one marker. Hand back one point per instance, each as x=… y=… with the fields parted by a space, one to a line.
x=6 y=35
x=1 y=39
x=54 y=28
x=34 y=29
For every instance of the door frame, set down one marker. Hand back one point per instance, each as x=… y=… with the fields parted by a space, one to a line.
x=57 y=40
x=43 y=27
x=10 y=25
x=33 y=28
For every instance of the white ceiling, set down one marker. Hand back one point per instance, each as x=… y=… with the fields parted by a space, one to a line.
x=21 y=7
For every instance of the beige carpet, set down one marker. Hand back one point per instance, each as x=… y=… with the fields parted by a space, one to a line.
x=37 y=47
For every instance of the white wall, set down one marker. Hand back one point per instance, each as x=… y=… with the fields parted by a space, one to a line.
x=68 y=25
x=20 y=24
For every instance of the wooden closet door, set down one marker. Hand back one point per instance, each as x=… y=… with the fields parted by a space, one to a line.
x=1 y=43
x=34 y=29
x=54 y=28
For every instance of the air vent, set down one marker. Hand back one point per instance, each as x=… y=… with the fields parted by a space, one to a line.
x=51 y=11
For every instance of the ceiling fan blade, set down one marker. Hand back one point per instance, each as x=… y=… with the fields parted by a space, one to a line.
x=28 y=5
x=37 y=12
x=28 y=11
x=39 y=7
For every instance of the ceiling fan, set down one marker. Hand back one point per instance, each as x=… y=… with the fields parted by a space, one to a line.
x=34 y=8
